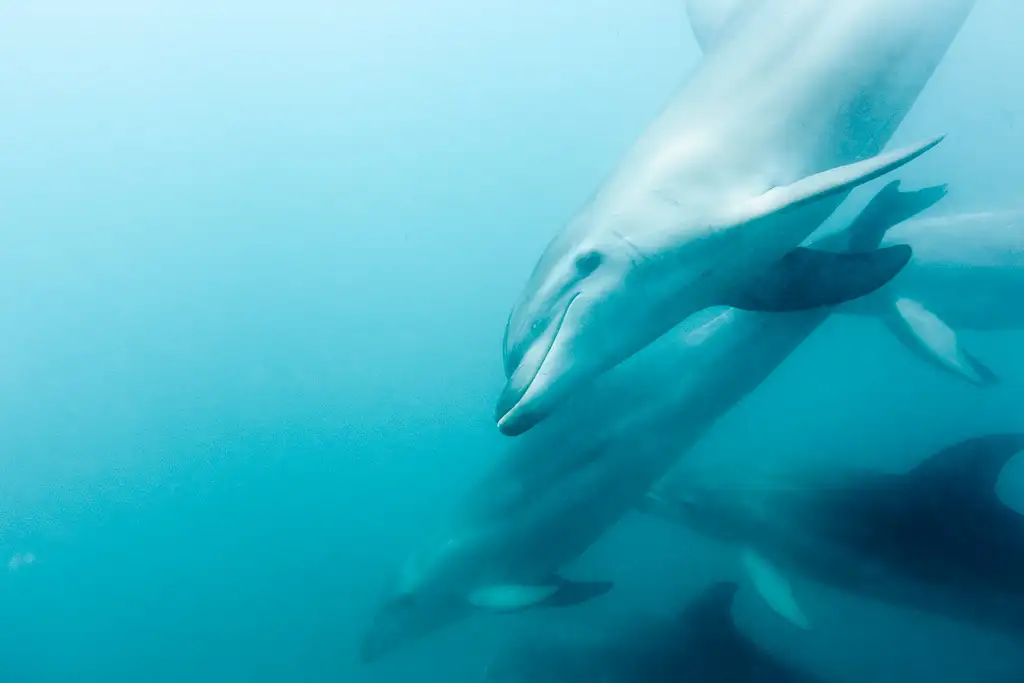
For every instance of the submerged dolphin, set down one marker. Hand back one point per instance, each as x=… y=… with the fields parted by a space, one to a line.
x=788 y=111
x=967 y=272
x=560 y=487
x=702 y=643
x=936 y=538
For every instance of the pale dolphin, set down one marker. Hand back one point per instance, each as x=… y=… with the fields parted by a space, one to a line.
x=559 y=488
x=936 y=539
x=701 y=643
x=788 y=110
x=967 y=273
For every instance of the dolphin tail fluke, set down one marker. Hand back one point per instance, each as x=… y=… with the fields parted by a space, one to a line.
x=889 y=207
x=930 y=338
x=808 y=278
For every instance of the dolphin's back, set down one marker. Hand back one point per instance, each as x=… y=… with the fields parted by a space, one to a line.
x=982 y=239
x=829 y=80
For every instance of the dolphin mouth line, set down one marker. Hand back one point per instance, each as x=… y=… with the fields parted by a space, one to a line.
x=503 y=401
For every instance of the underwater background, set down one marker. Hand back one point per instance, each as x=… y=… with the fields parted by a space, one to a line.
x=256 y=260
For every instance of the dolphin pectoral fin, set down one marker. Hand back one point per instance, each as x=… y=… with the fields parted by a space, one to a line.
x=807 y=278
x=557 y=593
x=833 y=181
x=929 y=337
x=774 y=588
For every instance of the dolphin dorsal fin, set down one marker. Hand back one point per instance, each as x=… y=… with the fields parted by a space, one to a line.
x=709 y=18
x=711 y=610
x=888 y=208
x=971 y=466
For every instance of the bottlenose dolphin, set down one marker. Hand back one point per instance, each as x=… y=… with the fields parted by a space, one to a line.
x=967 y=272
x=936 y=539
x=702 y=643
x=560 y=487
x=787 y=112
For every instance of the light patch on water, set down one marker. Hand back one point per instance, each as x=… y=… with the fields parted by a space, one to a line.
x=19 y=560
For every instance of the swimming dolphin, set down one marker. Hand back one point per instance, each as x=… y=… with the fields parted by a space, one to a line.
x=702 y=643
x=935 y=539
x=967 y=272
x=787 y=112
x=560 y=487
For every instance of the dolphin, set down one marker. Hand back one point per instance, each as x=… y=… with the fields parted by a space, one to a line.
x=967 y=272
x=701 y=643
x=557 y=489
x=788 y=110
x=935 y=539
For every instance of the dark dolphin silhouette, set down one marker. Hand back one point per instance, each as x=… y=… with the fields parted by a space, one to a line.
x=936 y=538
x=701 y=644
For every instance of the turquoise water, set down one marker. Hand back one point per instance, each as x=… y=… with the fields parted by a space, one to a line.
x=256 y=261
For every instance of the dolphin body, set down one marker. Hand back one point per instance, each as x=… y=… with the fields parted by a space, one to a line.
x=560 y=487
x=967 y=272
x=702 y=643
x=935 y=539
x=787 y=112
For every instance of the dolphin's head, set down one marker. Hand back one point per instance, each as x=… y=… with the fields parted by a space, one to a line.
x=592 y=301
x=422 y=599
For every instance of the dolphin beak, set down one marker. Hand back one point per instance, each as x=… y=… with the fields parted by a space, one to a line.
x=516 y=410
x=530 y=388
x=512 y=413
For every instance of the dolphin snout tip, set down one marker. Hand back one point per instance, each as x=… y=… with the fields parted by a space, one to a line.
x=509 y=413
x=510 y=424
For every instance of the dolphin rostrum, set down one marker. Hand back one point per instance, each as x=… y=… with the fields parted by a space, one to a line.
x=701 y=643
x=936 y=539
x=560 y=487
x=789 y=109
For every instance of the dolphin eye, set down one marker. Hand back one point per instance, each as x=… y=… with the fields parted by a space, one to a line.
x=588 y=262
